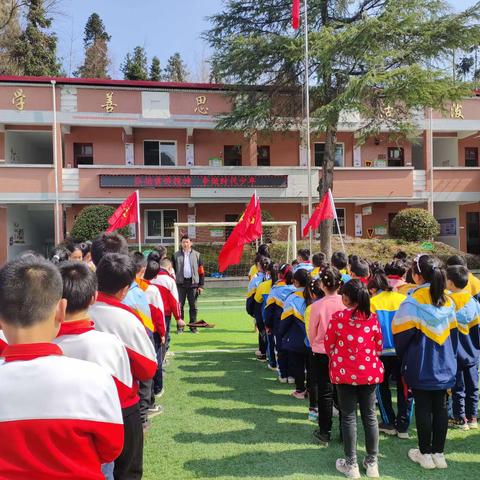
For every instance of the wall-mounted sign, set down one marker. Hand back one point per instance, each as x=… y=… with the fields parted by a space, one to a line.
x=448 y=227
x=193 y=181
x=381 y=230
x=367 y=210
x=370 y=232
x=358 y=225
x=427 y=246
x=357 y=156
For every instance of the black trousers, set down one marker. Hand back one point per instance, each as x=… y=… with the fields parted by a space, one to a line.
x=187 y=291
x=129 y=465
x=297 y=363
x=431 y=414
x=325 y=390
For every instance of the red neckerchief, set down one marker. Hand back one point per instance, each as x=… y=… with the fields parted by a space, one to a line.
x=110 y=300
x=76 y=328
x=395 y=277
x=162 y=271
x=30 y=351
x=364 y=280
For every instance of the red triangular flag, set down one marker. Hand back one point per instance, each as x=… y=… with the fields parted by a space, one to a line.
x=325 y=210
x=125 y=214
x=296 y=14
x=248 y=228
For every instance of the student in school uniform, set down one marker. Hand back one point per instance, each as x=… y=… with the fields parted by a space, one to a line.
x=280 y=291
x=263 y=251
x=78 y=338
x=260 y=299
x=319 y=262
x=395 y=272
x=60 y=417
x=303 y=260
x=385 y=303
x=115 y=274
x=426 y=339
x=360 y=270
x=465 y=391
x=340 y=262
x=293 y=333
x=473 y=285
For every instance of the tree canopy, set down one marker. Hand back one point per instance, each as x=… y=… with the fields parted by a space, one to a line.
x=155 y=70
x=135 y=65
x=380 y=61
x=176 y=70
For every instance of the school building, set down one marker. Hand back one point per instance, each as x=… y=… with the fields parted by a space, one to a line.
x=68 y=143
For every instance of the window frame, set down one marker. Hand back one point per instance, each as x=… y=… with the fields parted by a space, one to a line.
x=76 y=157
x=465 y=156
x=334 y=225
x=162 y=237
x=175 y=142
x=389 y=149
x=269 y=155
x=336 y=145
x=224 y=156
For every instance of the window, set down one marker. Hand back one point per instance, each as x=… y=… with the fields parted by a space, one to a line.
x=232 y=155
x=82 y=154
x=319 y=153
x=341 y=221
x=396 y=157
x=263 y=156
x=471 y=156
x=159 y=224
x=157 y=153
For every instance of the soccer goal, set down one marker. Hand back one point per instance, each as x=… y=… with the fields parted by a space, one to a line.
x=209 y=238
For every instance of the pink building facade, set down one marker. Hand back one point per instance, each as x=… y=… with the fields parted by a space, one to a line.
x=72 y=143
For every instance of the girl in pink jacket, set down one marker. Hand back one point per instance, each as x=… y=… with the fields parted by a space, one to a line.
x=321 y=313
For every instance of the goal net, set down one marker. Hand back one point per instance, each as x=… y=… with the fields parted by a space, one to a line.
x=209 y=238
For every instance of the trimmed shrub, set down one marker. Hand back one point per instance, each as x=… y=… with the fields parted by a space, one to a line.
x=92 y=221
x=415 y=225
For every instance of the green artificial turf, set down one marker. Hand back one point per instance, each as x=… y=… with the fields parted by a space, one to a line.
x=227 y=418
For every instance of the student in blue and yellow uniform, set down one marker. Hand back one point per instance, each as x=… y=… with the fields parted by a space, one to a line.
x=261 y=264
x=465 y=391
x=340 y=262
x=303 y=260
x=260 y=298
x=273 y=311
x=319 y=262
x=426 y=340
x=473 y=285
x=385 y=303
x=293 y=334
x=263 y=251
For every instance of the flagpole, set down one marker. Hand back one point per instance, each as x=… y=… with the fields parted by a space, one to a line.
x=139 y=222
x=336 y=219
x=307 y=108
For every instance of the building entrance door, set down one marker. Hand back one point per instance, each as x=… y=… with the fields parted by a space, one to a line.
x=473 y=233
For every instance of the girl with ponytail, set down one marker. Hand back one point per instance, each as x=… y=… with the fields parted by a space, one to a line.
x=353 y=343
x=321 y=313
x=426 y=337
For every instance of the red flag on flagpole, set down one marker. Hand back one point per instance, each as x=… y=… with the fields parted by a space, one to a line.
x=325 y=210
x=296 y=14
x=248 y=228
x=125 y=214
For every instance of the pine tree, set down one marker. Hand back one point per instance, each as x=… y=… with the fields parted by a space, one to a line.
x=35 y=51
x=176 y=70
x=135 y=65
x=155 y=70
x=9 y=34
x=95 y=30
x=372 y=58
x=97 y=60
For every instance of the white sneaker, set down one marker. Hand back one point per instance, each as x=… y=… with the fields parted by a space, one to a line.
x=424 y=460
x=350 y=471
x=283 y=379
x=371 y=469
x=290 y=380
x=439 y=460
x=335 y=412
x=403 y=435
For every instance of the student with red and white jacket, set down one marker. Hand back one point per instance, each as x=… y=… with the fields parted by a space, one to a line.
x=3 y=342
x=78 y=338
x=115 y=274
x=60 y=417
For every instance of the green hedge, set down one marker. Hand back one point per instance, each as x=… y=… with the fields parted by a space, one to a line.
x=415 y=225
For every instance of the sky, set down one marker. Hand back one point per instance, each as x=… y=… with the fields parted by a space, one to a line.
x=163 y=27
